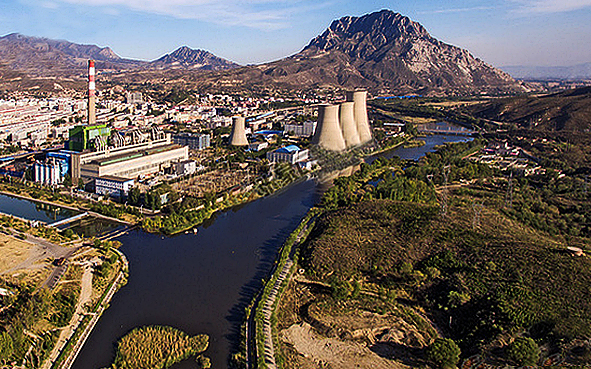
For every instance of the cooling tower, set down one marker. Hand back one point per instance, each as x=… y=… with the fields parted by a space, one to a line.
x=360 y=107
x=328 y=132
x=348 y=126
x=91 y=94
x=238 y=135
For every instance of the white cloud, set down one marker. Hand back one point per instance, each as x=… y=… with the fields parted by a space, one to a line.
x=460 y=10
x=261 y=14
x=550 y=6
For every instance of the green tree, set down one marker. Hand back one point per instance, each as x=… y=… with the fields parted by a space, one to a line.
x=67 y=180
x=134 y=196
x=6 y=346
x=523 y=351
x=444 y=352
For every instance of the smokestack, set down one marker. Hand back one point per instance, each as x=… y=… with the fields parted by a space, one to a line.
x=238 y=135
x=360 y=112
x=91 y=94
x=328 y=132
x=348 y=126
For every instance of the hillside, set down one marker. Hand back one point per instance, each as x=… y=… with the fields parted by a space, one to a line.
x=564 y=111
x=387 y=252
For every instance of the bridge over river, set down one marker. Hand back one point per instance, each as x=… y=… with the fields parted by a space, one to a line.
x=443 y=128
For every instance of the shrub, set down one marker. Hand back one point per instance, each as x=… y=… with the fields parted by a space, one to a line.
x=523 y=351
x=444 y=352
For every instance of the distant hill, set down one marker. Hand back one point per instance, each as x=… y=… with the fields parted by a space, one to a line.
x=36 y=56
x=564 y=111
x=579 y=71
x=57 y=58
x=187 y=58
x=385 y=52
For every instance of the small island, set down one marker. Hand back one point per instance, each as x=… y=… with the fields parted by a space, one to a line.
x=157 y=347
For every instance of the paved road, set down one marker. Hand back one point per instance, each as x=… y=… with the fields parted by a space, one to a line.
x=285 y=273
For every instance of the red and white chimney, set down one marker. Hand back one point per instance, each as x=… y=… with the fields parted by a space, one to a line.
x=91 y=94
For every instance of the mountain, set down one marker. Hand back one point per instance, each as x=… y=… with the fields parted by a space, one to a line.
x=385 y=52
x=574 y=72
x=45 y=57
x=38 y=57
x=187 y=58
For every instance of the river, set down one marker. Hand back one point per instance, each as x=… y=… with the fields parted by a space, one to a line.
x=200 y=283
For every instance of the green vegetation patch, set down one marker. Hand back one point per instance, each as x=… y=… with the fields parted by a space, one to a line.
x=156 y=347
x=480 y=276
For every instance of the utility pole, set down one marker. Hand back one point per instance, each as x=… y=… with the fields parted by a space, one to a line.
x=477 y=208
x=444 y=194
x=509 y=195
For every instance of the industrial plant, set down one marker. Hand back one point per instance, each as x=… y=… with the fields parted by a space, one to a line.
x=343 y=126
x=95 y=151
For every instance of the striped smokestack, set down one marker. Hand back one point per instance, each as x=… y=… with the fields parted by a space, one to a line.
x=91 y=94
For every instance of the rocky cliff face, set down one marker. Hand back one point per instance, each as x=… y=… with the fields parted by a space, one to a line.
x=187 y=58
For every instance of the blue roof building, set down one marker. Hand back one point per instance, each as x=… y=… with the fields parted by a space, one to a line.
x=290 y=154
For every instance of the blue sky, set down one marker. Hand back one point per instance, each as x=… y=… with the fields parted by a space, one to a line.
x=505 y=32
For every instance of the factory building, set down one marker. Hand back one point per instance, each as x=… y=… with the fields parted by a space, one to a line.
x=289 y=154
x=195 y=142
x=113 y=186
x=185 y=167
x=305 y=129
x=129 y=161
x=97 y=152
x=48 y=173
x=88 y=137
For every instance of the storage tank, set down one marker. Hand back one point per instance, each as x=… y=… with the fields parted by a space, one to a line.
x=328 y=132
x=360 y=112
x=348 y=126
x=238 y=135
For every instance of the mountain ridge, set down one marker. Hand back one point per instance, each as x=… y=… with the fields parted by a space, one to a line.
x=384 y=52
x=38 y=56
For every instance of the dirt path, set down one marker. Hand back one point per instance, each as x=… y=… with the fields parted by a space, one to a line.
x=85 y=297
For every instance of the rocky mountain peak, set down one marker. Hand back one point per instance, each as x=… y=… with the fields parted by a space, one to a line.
x=357 y=35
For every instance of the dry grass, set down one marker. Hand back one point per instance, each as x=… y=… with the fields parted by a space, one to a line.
x=157 y=347
x=12 y=252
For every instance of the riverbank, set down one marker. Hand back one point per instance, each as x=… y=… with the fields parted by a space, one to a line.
x=65 y=354
x=51 y=277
